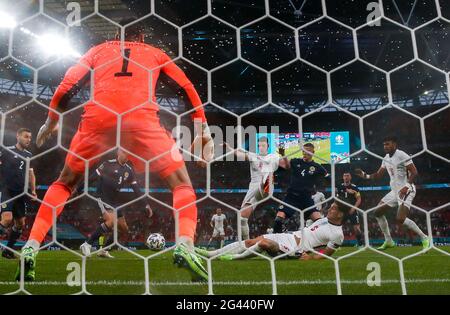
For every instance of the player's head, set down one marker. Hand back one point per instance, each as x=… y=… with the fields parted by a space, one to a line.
x=134 y=32
x=347 y=177
x=218 y=211
x=390 y=144
x=308 y=151
x=23 y=137
x=122 y=156
x=263 y=145
x=337 y=211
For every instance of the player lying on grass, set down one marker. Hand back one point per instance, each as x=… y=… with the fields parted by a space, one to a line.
x=326 y=233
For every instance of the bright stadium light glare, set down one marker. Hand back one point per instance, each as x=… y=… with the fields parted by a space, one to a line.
x=52 y=45
x=6 y=20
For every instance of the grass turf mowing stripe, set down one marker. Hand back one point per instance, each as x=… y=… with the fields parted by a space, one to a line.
x=229 y=283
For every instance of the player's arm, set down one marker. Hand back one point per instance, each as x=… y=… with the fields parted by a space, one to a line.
x=74 y=80
x=377 y=175
x=32 y=179
x=212 y=222
x=198 y=116
x=283 y=162
x=328 y=251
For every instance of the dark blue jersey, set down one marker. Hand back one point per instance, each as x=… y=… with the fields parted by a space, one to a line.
x=344 y=195
x=114 y=176
x=305 y=176
x=13 y=168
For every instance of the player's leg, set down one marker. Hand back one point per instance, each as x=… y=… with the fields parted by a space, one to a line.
x=102 y=229
x=246 y=211
x=122 y=230
x=358 y=234
x=354 y=221
x=6 y=220
x=222 y=238
x=16 y=232
x=383 y=207
x=57 y=194
x=230 y=249
x=403 y=220
x=155 y=142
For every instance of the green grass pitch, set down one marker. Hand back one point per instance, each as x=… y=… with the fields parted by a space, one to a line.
x=427 y=273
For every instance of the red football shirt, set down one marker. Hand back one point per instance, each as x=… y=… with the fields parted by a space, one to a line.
x=121 y=84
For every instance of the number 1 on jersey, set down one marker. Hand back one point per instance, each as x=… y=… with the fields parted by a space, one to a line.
x=124 y=72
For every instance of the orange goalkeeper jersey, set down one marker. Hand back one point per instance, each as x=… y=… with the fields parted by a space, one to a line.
x=121 y=84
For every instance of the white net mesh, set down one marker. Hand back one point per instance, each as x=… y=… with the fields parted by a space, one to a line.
x=367 y=66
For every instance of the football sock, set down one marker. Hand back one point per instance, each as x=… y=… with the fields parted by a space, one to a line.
x=57 y=194
x=233 y=248
x=184 y=200
x=13 y=236
x=249 y=252
x=221 y=243
x=358 y=236
x=245 y=230
x=101 y=229
x=382 y=222
x=410 y=224
x=109 y=241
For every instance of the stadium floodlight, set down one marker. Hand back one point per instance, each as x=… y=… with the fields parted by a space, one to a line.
x=52 y=44
x=6 y=20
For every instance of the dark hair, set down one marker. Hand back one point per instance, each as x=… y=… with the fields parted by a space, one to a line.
x=309 y=144
x=390 y=138
x=22 y=130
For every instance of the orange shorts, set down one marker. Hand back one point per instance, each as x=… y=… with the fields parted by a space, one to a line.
x=152 y=144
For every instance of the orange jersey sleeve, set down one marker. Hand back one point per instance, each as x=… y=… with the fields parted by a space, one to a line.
x=176 y=74
x=75 y=78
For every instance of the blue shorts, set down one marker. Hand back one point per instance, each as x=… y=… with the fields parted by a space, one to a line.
x=300 y=202
x=18 y=206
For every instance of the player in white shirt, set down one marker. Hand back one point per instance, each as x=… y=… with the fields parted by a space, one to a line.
x=402 y=173
x=262 y=167
x=324 y=235
x=218 y=222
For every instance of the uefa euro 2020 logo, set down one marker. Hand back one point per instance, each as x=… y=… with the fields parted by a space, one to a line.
x=339 y=139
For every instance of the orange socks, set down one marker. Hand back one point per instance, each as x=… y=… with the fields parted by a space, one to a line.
x=57 y=194
x=183 y=196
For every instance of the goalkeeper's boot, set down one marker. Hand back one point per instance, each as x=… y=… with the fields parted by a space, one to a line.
x=226 y=257
x=426 y=243
x=29 y=257
x=182 y=257
x=387 y=245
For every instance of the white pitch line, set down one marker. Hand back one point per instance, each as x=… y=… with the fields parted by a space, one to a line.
x=229 y=283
